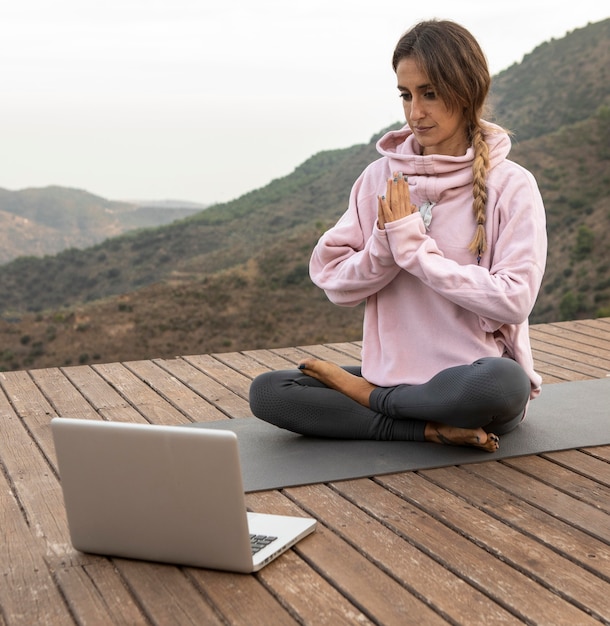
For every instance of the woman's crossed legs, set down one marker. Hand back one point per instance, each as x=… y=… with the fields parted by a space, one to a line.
x=463 y=405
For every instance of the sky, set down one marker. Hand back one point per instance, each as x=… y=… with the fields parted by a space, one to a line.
x=205 y=100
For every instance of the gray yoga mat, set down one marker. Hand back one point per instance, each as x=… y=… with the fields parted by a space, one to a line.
x=566 y=415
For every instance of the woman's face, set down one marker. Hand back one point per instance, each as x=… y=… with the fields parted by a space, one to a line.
x=436 y=128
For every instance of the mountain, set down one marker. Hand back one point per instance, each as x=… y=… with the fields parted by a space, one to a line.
x=561 y=82
x=234 y=277
x=216 y=239
x=45 y=221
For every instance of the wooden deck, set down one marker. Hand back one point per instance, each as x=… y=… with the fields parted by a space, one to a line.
x=523 y=540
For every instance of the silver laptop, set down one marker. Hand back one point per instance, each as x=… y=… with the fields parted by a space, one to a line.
x=164 y=493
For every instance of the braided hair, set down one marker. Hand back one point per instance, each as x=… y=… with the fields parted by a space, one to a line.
x=457 y=67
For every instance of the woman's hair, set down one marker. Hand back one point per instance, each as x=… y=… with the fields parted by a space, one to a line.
x=457 y=68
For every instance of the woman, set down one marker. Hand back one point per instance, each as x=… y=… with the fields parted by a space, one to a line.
x=444 y=238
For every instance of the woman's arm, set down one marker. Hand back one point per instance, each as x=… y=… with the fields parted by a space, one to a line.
x=506 y=290
x=353 y=259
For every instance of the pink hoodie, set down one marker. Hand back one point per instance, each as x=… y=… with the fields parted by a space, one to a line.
x=429 y=305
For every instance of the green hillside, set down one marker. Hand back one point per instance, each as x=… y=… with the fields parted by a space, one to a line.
x=223 y=236
x=45 y=221
x=561 y=82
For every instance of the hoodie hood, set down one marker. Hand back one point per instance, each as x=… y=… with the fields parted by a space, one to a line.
x=431 y=174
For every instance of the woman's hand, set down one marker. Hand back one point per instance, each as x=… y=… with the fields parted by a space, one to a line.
x=396 y=204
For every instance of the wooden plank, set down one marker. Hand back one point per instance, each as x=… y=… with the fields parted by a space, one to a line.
x=581 y=462
x=29 y=403
x=566 y=365
x=523 y=596
x=327 y=353
x=310 y=596
x=524 y=540
x=369 y=587
x=243 y=363
x=28 y=594
x=554 y=571
x=553 y=501
x=577 y=486
x=597 y=328
x=32 y=475
x=74 y=583
x=35 y=486
x=222 y=373
x=558 y=365
x=366 y=584
x=296 y=583
x=96 y=594
x=579 y=343
x=241 y=599
x=269 y=359
x=292 y=355
x=575 y=544
x=570 y=350
x=166 y=593
x=548 y=378
x=65 y=398
x=100 y=394
x=552 y=374
x=594 y=367
x=600 y=452
x=138 y=394
x=179 y=395
x=216 y=394
x=49 y=506
x=351 y=349
x=449 y=595
x=580 y=334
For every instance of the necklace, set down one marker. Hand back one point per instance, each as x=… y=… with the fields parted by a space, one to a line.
x=426 y=212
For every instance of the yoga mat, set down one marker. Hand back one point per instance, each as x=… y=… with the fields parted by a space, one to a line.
x=564 y=416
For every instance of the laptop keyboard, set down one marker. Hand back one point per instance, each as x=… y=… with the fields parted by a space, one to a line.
x=258 y=542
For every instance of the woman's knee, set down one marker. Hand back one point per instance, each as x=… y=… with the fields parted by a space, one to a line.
x=280 y=396
x=512 y=386
x=512 y=390
x=262 y=395
x=503 y=425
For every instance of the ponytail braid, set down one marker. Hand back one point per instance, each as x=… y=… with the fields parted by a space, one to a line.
x=480 y=165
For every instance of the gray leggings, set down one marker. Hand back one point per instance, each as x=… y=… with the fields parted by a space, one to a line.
x=491 y=393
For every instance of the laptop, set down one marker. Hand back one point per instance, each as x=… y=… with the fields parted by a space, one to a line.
x=164 y=493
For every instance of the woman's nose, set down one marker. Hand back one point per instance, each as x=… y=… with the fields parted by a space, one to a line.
x=416 y=109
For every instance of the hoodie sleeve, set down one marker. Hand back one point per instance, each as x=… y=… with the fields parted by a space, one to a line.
x=506 y=290
x=353 y=259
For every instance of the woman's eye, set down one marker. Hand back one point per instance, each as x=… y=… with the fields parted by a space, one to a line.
x=405 y=96
x=430 y=95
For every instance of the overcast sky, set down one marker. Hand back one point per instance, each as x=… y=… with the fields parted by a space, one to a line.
x=205 y=100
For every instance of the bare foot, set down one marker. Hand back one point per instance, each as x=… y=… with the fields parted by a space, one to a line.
x=335 y=377
x=453 y=436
